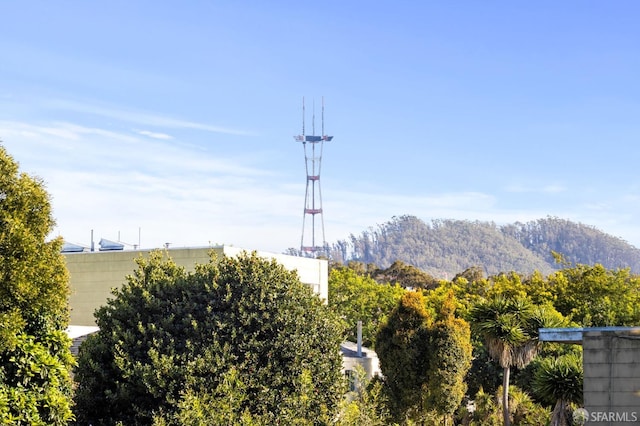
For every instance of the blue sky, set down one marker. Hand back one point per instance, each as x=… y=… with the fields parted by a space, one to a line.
x=170 y=121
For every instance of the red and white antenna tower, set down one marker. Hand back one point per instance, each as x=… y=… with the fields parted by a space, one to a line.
x=309 y=244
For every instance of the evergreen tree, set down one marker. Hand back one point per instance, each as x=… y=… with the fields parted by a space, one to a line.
x=169 y=337
x=35 y=360
x=424 y=359
x=402 y=347
x=450 y=360
x=406 y=276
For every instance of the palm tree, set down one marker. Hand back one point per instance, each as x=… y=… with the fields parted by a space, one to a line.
x=559 y=381
x=509 y=327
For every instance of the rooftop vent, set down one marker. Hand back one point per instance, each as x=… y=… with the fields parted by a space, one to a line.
x=73 y=248
x=107 y=245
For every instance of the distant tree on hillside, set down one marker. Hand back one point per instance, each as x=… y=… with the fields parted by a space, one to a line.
x=444 y=247
x=471 y=274
x=35 y=387
x=441 y=249
x=360 y=268
x=577 y=242
x=405 y=275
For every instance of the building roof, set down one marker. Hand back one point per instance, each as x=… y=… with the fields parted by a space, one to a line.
x=575 y=334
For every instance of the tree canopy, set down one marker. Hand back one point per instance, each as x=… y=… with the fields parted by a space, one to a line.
x=579 y=243
x=424 y=359
x=245 y=323
x=407 y=276
x=35 y=360
x=594 y=296
x=360 y=298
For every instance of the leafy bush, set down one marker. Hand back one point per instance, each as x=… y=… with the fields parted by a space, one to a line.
x=169 y=338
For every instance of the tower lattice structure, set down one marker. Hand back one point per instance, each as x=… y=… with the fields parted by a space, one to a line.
x=313 y=145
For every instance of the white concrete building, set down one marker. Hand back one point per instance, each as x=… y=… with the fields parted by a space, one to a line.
x=93 y=274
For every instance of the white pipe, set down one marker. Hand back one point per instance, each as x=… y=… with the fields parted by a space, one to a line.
x=359 y=338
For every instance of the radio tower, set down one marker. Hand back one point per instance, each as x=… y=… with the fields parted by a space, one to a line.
x=309 y=245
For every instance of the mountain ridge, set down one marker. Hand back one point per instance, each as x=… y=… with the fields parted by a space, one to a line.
x=445 y=247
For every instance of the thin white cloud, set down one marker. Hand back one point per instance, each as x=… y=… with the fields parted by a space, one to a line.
x=141 y=118
x=154 y=135
x=552 y=188
x=117 y=182
x=60 y=131
x=91 y=148
x=598 y=207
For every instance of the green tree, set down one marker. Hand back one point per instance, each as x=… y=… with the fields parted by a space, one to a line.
x=35 y=360
x=471 y=274
x=402 y=347
x=510 y=327
x=405 y=275
x=221 y=406
x=508 y=285
x=366 y=405
x=594 y=296
x=360 y=298
x=360 y=268
x=449 y=361
x=558 y=382
x=246 y=323
x=424 y=358
x=226 y=406
x=488 y=409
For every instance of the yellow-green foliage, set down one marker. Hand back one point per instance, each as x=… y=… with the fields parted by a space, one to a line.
x=358 y=297
x=508 y=285
x=35 y=387
x=226 y=405
x=424 y=358
x=365 y=405
x=595 y=296
x=487 y=410
x=450 y=360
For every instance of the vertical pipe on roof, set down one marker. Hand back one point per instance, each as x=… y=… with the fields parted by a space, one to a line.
x=359 y=338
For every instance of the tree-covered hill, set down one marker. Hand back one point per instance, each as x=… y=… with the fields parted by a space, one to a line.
x=578 y=243
x=446 y=247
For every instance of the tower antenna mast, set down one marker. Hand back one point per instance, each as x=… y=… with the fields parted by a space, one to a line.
x=322 y=115
x=313 y=117
x=309 y=245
